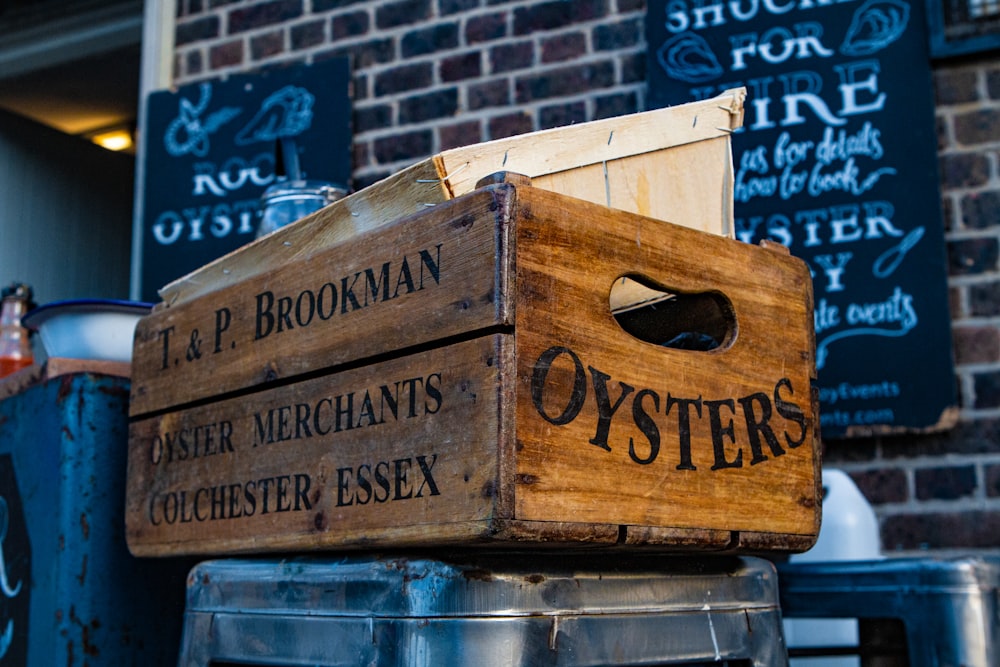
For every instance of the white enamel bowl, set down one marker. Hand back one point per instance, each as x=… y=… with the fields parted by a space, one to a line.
x=100 y=329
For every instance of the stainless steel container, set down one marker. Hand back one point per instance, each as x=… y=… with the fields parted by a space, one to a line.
x=949 y=607
x=543 y=609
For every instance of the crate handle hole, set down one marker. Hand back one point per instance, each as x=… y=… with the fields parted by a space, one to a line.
x=701 y=321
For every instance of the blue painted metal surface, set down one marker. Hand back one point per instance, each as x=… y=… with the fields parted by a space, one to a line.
x=70 y=592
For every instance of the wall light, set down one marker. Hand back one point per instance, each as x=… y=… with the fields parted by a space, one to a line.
x=119 y=139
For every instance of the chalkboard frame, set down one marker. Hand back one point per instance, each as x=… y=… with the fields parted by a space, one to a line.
x=946 y=38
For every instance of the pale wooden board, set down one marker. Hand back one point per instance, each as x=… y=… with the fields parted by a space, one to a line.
x=457 y=421
x=688 y=185
x=178 y=356
x=564 y=277
x=602 y=141
x=639 y=146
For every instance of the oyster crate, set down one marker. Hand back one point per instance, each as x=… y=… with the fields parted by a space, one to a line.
x=510 y=366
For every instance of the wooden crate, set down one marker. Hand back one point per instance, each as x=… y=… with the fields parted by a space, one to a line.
x=470 y=376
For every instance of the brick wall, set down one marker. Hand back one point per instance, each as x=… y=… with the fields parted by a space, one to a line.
x=942 y=492
x=433 y=74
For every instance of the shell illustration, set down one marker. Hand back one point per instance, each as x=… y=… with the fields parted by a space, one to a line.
x=688 y=57
x=286 y=113
x=875 y=25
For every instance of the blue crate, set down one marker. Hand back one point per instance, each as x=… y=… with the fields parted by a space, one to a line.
x=70 y=592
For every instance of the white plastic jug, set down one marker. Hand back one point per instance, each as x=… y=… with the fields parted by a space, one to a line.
x=849 y=531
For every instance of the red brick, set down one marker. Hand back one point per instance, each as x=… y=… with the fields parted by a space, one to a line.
x=633 y=69
x=981 y=210
x=376 y=117
x=976 y=344
x=406 y=77
x=945 y=482
x=620 y=35
x=955 y=86
x=991 y=474
x=410 y=146
x=459 y=134
x=428 y=106
x=972 y=256
x=401 y=12
x=971 y=438
x=266 y=45
x=514 y=56
x=263 y=14
x=559 y=115
x=319 y=6
x=361 y=151
x=228 y=54
x=486 y=28
x=305 y=35
x=352 y=24
x=882 y=486
x=955 y=307
x=975 y=529
x=510 y=125
x=566 y=46
x=422 y=41
x=366 y=54
x=977 y=127
x=619 y=104
x=194 y=62
x=488 y=94
x=984 y=299
x=851 y=450
x=464 y=66
x=187 y=32
x=964 y=170
x=565 y=81
x=446 y=7
x=541 y=16
x=987 y=388
x=993 y=83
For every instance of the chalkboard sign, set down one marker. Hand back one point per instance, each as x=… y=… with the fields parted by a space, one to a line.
x=210 y=152
x=837 y=160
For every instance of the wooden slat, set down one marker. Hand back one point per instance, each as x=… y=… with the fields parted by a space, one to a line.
x=285 y=473
x=409 y=284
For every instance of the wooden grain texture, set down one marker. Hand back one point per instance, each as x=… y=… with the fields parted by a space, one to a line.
x=413 y=282
x=551 y=425
x=401 y=452
x=613 y=445
x=672 y=164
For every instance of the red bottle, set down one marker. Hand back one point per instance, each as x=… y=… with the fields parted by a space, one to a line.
x=15 y=345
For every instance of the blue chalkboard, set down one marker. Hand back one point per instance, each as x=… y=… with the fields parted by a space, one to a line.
x=209 y=152
x=837 y=160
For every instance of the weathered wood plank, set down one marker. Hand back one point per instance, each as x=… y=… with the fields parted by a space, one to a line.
x=405 y=451
x=411 y=283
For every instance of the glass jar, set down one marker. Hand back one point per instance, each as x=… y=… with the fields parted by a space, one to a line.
x=15 y=343
x=287 y=201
